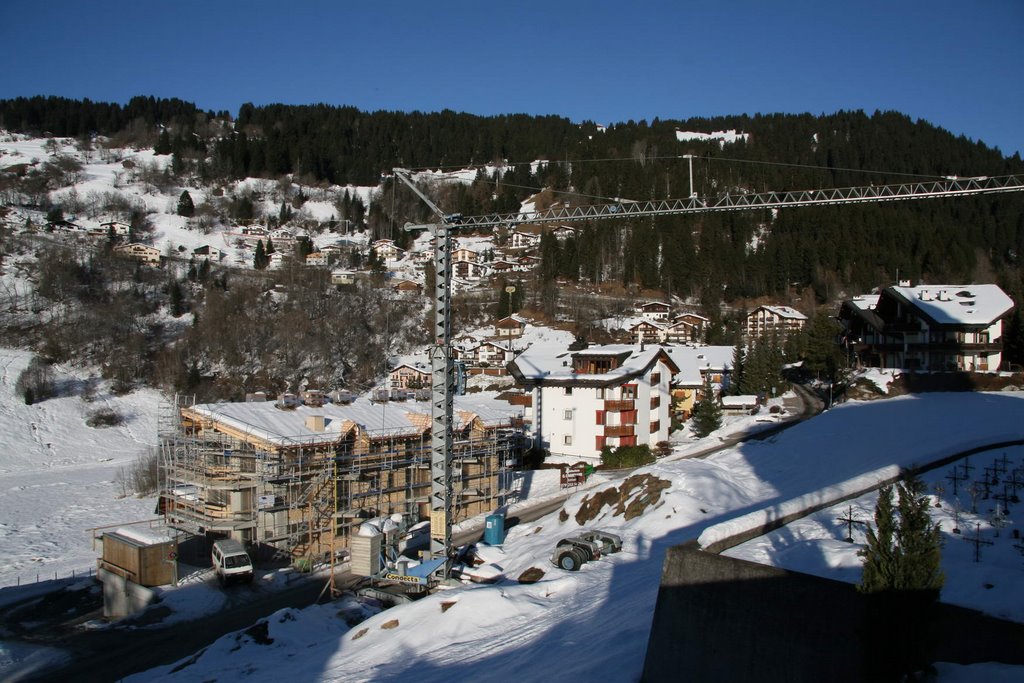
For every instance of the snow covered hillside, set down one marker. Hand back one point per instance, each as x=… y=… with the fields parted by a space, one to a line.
x=57 y=474
x=593 y=624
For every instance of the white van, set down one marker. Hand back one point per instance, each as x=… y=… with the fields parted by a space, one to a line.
x=231 y=562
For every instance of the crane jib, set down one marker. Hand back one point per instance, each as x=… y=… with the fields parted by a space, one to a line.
x=745 y=201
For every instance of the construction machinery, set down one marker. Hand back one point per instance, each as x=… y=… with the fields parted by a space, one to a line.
x=573 y=552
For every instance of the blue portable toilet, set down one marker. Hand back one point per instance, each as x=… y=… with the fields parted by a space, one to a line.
x=494 y=529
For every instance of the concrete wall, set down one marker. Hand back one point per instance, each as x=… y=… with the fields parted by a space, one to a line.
x=724 y=619
x=122 y=598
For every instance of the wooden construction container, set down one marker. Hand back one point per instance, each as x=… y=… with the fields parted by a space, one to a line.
x=140 y=556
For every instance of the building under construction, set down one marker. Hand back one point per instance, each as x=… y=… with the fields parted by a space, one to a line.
x=296 y=476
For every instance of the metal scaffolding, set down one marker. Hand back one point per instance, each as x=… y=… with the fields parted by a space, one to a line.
x=301 y=498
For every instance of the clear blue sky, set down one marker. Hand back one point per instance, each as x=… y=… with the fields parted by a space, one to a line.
x=955 y=64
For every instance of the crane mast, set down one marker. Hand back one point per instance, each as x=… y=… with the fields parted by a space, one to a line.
x=442 y=369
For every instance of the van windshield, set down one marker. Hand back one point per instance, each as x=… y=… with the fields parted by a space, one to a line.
x=236 y=561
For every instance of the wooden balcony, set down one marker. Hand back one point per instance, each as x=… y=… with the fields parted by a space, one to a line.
x=617 y=406
x=618 y=431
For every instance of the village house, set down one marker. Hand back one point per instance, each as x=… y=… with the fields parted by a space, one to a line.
x=698 y=321
x=407 y=376
x=501 y=266
x=210 y=253
x=777 y=320
x=655 y=311
x=403 y=286
x=469 y=270
x=387 y=250
x=342 y=277
x=582 y=401
x=928 y=327
x=139 y=252
x=682 y=332
x=117 y=228
x=509 y=327
x=563 y=232
x=465 y=254
x=698 y=364
x=521 y=239
x=646 y=331
x=317 y=258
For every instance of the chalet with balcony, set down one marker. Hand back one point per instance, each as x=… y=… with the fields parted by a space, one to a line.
x=682 y=332
x=317 y=258
x=387 y=250
x=656 y=311
x=928 y=327
x=698 y=321
x=469 y=270
x=509 y=327
x=582 y=401
x=646 y=331
x=563 y=232
x=407 y=376
x=778 y=320
x=116 y=228
x=464 y=254
x=521 y=239
x=139 y=252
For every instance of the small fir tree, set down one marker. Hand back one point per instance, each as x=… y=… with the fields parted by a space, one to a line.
x=260 y=261
x=739 y=360
x=186 y=207
x=902 y=578
x=707 y=414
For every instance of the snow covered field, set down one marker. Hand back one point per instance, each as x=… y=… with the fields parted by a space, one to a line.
x=57 y=475
x=816 y=544
x=601 y=615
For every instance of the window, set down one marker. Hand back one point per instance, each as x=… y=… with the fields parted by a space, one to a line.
x=655 y=426
x=655 y=379
x=567 y=439
x=600 y=393
x=568 y=391
x=655 y=402
x=628 y=392
x=566 y=414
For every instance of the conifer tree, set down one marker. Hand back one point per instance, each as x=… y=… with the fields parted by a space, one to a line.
x=823 y=355
x=163 y=144
x=186 y=207
x=903 y=550
x=902 y=578
x=260 y=260
x=707 y=414
x=270 y=249
x=739 y=359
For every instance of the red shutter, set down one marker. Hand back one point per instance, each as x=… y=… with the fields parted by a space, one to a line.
x=600 y=442
x=600 y=417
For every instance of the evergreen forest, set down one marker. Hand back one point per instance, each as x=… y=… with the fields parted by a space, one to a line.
x=829 y=252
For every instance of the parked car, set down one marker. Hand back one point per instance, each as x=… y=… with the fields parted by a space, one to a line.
x=230 y=562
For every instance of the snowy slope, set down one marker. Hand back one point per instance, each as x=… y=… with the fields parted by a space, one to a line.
x=57 y=474
x=593 y=625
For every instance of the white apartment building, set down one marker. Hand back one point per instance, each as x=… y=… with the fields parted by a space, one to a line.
x=582 y=401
